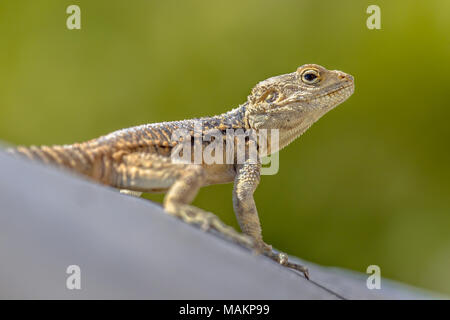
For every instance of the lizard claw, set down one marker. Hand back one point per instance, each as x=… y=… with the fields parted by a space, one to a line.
x=283 y=259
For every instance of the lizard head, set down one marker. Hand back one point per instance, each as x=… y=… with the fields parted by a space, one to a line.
x=292 y=102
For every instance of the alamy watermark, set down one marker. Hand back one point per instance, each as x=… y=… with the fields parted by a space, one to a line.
x=230 y=146
x=74 y=20
x=374 y=20
x=374 y=280
x=73 y=281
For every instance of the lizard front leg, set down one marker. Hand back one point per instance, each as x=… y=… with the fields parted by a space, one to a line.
x=183 y=191
x=246 y=181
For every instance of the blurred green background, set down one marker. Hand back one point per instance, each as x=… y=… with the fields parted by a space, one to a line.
x=368 y=184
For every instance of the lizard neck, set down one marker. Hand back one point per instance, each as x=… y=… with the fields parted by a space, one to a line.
x=233 y=119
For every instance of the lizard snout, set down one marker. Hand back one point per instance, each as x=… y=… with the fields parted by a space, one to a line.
x=345 y=76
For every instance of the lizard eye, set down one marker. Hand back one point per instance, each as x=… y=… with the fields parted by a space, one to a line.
x=272 y=96
x=310 y=76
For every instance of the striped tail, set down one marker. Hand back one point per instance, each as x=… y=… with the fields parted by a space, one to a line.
x=76 y=157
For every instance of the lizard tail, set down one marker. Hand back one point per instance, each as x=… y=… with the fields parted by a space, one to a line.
x=75 y=157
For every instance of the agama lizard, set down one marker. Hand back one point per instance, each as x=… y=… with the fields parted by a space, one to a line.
x=138 y=159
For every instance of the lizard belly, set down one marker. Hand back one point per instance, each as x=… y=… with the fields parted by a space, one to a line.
x=219 y=173
x=152 y=184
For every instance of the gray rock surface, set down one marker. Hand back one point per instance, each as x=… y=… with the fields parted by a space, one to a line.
x=128 y=248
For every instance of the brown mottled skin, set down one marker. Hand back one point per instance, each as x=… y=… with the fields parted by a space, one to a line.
x=138 y=159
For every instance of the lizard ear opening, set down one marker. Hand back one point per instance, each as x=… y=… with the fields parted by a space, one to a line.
x=270 y=96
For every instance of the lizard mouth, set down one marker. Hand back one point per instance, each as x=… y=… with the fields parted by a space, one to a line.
x=337 y=90
x=344 y=91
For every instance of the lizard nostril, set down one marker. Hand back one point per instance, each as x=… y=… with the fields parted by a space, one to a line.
x=344 y=76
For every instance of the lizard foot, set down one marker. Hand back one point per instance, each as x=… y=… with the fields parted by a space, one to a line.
x=207 y=220
x=283 y=259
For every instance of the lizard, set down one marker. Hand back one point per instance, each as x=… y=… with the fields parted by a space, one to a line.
x=138 y=159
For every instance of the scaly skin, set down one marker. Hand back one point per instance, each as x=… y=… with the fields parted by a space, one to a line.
x=139 y=159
